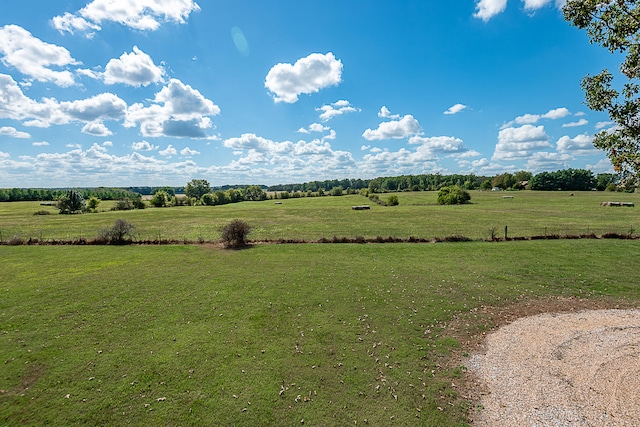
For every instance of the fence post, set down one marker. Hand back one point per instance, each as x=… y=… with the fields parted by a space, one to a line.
x=505 y=232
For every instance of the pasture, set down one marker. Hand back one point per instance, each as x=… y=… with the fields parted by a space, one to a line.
x=302 y=334
x=528 y=213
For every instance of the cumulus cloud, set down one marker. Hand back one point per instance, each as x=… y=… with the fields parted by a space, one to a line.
x=314 y=127
x=105 y=106
x=581 y=145
x=40 y=144
x=439 y=144
x=554 y=114
x=487 y=9
x=336 y=109
x=177 y=110
x=307 y=75
x=143 y=146
x=138 y=14
x=169 y=151
x=544 y=161
x=96 y=167
x=35 y=58
x=133 y=69
x=17 y=106
x=520 y=142
x=456 y=109
x=188 y=152
x=96 y=129
x=482 y=167
x=384 y=113
x=13 y=132
x=581 y=122
x=394 y=129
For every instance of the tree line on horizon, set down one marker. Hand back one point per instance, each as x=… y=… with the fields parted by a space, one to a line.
x=563 y=180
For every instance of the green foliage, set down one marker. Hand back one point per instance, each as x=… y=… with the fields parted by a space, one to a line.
x=254 y=193
x=92 y=204
x=504 y=181
x=160 y=199
x=197 y=188
x=565 y=180
x=71 y=202
x=336 y=191
x=208 y=199
x=486 y=185
x=453 y=196
x=614 y=25
x=234 y=234
x=392 y=200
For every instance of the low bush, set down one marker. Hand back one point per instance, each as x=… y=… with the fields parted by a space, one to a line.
x=122 y=232
x=453 y=195
x=234 y=234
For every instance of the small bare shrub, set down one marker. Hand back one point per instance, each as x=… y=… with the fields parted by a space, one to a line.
x=122 y=232
x=234 y=234
x=15 y=241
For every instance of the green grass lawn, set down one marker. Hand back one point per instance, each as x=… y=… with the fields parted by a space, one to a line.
x=325 y=334
x=528 y=213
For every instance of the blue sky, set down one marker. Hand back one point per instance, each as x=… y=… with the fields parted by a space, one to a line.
x=158 y=92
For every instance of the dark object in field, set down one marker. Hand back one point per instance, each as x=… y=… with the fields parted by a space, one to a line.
x=360 y=208
x=626 y=204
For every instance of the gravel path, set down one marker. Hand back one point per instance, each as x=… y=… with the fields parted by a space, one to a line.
x=567 y=369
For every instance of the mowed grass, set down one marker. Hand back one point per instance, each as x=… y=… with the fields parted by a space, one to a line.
x=528 y=213
x=274 y=335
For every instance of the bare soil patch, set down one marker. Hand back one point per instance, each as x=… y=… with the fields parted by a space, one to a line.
x=552 y=362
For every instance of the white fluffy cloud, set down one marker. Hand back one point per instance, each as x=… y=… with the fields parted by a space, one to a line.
x=133 y=69
x=545 y=161
x=439 y=144
x=138 y=14
x=17 y=106
x=394 y=129
x=487 y=9
x=178 y=110
x=307 y=75
x=384 y=113
x=456 y=109
x=35 y=58
x=557 y=113
x=169 y=151
x=13 y=132
x=336 y=109
x=581 y=122
x=96 y=129
x=520 y=142
x=581 y=145
x=143 y=146
x=188 y=152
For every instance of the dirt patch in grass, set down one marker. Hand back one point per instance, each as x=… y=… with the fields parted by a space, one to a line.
x=482 y=330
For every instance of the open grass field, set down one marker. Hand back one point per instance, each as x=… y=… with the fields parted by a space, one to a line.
x=301 y=334
x=528 y=213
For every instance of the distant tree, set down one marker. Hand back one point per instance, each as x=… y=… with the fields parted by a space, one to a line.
x=522 y=176
x=486 y=185
x=160 y=199
x=71 y=202
x=254 y=193
x=615 y=25
x=92 y=204
x=171 y=191
x=336 y=191
x=504 y=181
x=197 y=188
x=453 y=195
x=604 y=180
